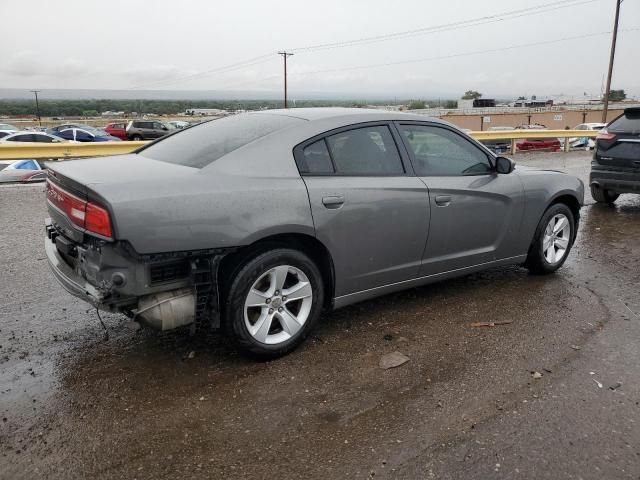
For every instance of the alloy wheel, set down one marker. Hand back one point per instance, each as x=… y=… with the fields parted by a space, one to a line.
x=278 y=304
x=557 y=236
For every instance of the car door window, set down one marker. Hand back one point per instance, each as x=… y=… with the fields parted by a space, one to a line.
x=66 y=134
x=43 y=139
x=83 y=136
x=21 y=138
x=157 y=126
x=365 y=151
x=440 y=151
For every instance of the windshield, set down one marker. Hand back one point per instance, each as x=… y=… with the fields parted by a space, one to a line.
x=200 y=145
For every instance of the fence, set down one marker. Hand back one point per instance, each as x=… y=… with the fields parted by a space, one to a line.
x=61 y=151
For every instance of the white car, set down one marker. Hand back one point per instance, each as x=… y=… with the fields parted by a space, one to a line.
x=37 y=137
x=8 y=126
x=586 y=142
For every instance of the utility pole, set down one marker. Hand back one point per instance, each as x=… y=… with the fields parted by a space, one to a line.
x=35 y=92
x=285 y=54
x=613 y=52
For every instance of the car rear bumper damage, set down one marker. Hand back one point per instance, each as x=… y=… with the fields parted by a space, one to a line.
x=619 y=181
x=161 y=291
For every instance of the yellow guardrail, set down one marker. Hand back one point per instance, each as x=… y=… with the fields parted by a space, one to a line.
x=61 y=151
x=44 y=151
x=518 y=134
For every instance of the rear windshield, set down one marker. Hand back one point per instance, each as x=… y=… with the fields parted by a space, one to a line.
x=629 y=122
x=202 y=144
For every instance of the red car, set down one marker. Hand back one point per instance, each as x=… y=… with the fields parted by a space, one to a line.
x=549 y=144
x=118 y=130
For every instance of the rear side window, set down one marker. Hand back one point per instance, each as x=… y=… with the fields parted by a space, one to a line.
x=203 y=144
x=27 y=137
x=316 y=158
x=365 y=151
x=629 y=122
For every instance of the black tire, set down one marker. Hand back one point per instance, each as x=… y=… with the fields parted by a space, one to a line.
x=244 y=277
x=136 y=138
x=602 y=195
x=536 y=261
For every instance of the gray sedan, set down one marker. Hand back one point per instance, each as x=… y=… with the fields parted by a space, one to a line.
x=257 y=222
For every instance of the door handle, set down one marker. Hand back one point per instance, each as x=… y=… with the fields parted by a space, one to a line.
x=333 y=201
x=443 y=200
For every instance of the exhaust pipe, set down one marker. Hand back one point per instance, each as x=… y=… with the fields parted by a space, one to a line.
x=167 y=310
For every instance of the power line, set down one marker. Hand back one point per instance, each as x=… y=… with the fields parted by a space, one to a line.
x=223 y=69
x=455 y=55
x=509 y=15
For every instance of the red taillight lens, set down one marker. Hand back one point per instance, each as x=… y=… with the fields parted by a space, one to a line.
x=604 y=135
x=97 y=220
x=87 y=215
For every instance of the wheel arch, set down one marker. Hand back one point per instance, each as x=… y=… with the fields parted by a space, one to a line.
x=571 y=201
x=303 y=242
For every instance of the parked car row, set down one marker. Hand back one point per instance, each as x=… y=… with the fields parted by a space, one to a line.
x=77 y=132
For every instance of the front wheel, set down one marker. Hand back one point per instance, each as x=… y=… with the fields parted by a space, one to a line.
x=552 y=241
x=274 y=301
x=601 y=195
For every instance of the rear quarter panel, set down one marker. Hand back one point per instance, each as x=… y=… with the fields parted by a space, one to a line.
x=207 y=211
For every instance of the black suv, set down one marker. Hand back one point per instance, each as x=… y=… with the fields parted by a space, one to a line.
x=615 y=168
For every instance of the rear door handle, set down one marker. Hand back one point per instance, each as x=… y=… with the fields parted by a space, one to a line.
x=333 y=201
x=443 y=200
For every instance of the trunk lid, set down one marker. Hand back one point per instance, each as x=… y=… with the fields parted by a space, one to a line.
x=105 y=180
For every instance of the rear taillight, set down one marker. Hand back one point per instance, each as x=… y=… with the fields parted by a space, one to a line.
x=604 y=135
x=84 y=214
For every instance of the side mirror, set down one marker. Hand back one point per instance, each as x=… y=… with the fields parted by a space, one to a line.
x=505 y=165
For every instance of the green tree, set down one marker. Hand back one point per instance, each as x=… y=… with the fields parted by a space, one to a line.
x=417 y=105
x=450 y=104
x=617 y=95
x=471 y=95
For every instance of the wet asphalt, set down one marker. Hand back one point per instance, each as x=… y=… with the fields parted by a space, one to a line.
x=466 y=405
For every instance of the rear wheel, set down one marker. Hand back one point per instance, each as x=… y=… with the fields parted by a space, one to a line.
x=552 y=241
x=136 y=138
x=274 y=300
x=602 y=195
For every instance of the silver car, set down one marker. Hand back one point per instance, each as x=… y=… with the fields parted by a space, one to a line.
x=255 y=223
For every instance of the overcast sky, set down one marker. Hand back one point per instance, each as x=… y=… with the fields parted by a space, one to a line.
x=130 y=44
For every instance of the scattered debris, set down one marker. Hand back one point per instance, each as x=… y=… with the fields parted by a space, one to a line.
x=597 y=383
x=615 y=386
x=548 y=370
x=388 y=337
x=576 y=347
x=392 y=360
x=536 y=375
x=191 y=354
x=491 y=324
x=627 y=307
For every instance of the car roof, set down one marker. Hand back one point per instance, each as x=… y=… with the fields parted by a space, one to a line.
x=364 y=114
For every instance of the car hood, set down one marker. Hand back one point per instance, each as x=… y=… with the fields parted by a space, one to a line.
x=524 y=169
